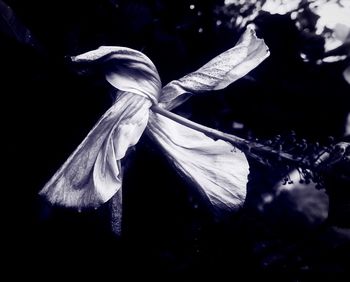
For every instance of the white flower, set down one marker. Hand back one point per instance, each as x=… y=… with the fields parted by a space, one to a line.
x=93 y=173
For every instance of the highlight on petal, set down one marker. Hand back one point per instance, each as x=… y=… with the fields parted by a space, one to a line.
x=93 y=173
x=218 y=73
x=215 y=168
x=126 y=69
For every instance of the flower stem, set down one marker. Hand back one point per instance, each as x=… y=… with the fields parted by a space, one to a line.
x=210 y=132
x=244 y=145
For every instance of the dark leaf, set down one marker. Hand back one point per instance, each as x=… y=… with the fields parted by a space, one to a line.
x=13 y=27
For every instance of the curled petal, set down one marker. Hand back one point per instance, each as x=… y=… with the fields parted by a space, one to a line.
x=217 y=73
x=126 y=69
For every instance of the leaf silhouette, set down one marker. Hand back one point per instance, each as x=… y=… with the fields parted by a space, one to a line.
x=11 y=25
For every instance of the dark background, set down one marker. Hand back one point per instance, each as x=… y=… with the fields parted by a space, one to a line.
x=48 y=108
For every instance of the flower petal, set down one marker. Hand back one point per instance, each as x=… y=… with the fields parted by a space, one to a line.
x=93 y=174
x=215 y=168
x=126 y=69
x=217 y=73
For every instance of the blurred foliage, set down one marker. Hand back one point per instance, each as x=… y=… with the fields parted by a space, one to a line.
x=316 y=26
